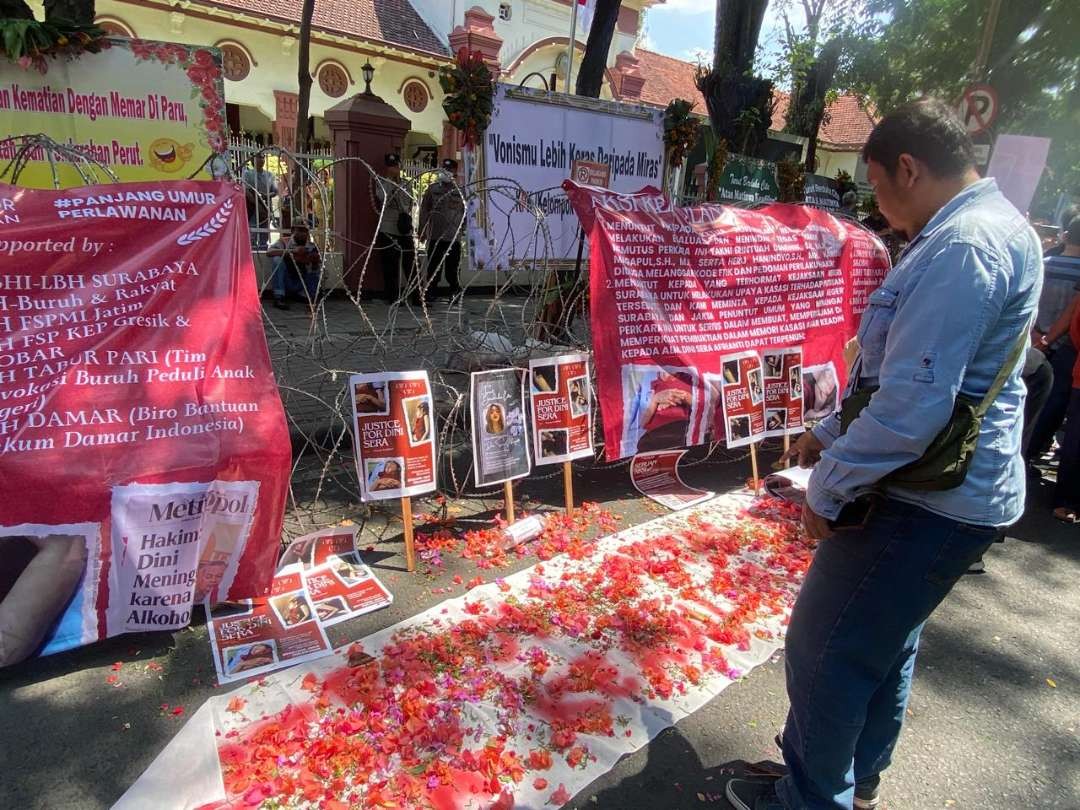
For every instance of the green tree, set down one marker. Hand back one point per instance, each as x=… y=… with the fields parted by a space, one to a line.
x=811 y=57
x=905 y=49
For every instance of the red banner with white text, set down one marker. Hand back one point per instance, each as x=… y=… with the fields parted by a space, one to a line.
x=673 y=290
x=143 y=447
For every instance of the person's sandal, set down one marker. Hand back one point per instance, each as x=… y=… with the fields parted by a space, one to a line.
x=1066 y=515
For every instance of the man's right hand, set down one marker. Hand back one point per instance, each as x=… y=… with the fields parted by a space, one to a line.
x=807 y=450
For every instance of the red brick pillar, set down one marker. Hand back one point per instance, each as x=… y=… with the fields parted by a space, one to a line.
x=365 y=127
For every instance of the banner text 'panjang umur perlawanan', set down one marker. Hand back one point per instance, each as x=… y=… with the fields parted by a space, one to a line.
x=674 y=290
x=143 y=448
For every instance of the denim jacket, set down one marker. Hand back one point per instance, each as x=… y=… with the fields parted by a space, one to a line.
x=943 y=322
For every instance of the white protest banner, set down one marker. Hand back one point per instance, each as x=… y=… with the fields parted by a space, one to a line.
x=534 y=139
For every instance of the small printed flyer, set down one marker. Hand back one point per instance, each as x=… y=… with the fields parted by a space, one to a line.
x=338 y=583
x=742 y=398
x=500 y=443
x=561 y=408
x=256 y=636
x=782 y=369
x=656 y=475
x=394 y=420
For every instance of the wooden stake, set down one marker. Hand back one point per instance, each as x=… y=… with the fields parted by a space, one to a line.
x=406 y=518
x=508 y=496
x=753 y=465
x=568 y=486
x=787 y=446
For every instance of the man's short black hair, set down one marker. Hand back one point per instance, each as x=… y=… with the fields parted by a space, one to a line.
x=929 y=131
x=1072 y=231
x=300 y=225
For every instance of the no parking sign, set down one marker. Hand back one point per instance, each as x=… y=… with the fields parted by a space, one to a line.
x=978 y=108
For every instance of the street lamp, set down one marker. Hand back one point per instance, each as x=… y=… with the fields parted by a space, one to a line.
x=369 y=74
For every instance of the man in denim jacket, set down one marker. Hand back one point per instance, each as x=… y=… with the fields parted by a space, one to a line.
x=943 y=322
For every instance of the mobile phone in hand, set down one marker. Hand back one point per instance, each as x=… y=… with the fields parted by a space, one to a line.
x=855 y=515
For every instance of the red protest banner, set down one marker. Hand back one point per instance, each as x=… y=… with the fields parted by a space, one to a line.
x=143 y=448
x=395 y=433
x=561 y=408
x=672 y=291
x=586 y=199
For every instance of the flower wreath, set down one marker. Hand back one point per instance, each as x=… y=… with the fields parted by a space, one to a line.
x=680 y=130
x=469 y=91
x=29 y=42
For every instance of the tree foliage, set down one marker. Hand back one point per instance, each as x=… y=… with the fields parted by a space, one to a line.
x=74 y=11
x=904 y=49
x=810 y=60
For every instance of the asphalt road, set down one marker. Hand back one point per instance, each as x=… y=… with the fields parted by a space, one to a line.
x=992 y=724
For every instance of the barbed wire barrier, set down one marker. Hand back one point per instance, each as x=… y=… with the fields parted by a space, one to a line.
x=526 y=308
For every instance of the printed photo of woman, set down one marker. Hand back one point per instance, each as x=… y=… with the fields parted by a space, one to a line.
x=494 y=422
x=383 y=475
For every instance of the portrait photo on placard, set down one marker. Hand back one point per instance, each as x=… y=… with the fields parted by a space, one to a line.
x=291 y=608
x=578 y=388
x=250 y=656
x=659 y=407
x=820 y=391
x=757 y=390
x=418 y=419
x=384 y=473
x=545 y=379
x=774 y=365
x=371 y=399
x=553 y=442
x=775 y=418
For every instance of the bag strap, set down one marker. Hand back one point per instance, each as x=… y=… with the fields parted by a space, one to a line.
x=1003 y=374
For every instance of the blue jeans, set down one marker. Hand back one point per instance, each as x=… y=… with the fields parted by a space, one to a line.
x=851 y=644
x=287 y=276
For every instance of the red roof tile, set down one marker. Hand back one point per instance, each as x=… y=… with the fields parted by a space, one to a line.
x=394 y=22
x=666 y=78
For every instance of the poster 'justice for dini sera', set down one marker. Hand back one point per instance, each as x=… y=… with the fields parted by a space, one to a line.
x=394 y=420
x=143 y=448
x=561 y=394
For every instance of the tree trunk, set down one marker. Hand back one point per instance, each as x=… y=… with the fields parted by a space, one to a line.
x=740 y=104
x=590 y=77
x=738 y=25
x=806 y=111
x=75 y=11
x=15 y=10
x=303 y=78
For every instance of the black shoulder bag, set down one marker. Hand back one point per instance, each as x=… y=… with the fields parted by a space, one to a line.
x=944 y=464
